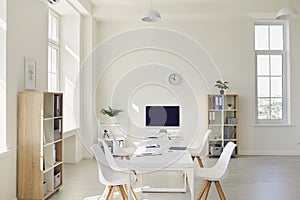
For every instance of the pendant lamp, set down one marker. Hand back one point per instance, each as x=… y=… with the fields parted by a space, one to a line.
x=151 y=15
x=287 y=13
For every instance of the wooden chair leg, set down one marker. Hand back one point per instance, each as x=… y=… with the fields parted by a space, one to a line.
x=133 y=194
x=131 y=190
x=122 y=192
x=220 y=191
x=109 y=193
x=193 y=158
x=207 y=190
x=200 y=162
x=203 y=189
x=125 y=189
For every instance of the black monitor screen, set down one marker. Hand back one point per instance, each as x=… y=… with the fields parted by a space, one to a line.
x=162 y=116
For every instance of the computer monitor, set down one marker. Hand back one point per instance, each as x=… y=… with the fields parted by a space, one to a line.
x=158 y=116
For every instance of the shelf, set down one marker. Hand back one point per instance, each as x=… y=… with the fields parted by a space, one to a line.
x=215 y=140
x=48 y=118
x=230 y=124
x=230 y=110
x=50 y=143
x=48 y=168
x=215 y=124
x=230 y=140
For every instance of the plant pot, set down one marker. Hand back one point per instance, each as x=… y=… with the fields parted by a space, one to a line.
x=222 y=91
x=112 y=120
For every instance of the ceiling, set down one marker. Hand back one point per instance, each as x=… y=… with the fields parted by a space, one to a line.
x=109 y=10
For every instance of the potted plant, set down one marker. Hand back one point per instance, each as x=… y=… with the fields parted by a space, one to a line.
x=110 y=112
x=222 y=85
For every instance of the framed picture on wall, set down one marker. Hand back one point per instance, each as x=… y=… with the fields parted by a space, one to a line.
x=29 y=74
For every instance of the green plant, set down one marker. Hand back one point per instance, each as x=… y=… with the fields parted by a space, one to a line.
x=110 y=111
x=222 y=85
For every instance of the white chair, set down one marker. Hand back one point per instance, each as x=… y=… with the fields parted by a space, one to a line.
x=110 y=177
x=216 y=173
x=121 y=165
x=200 y=151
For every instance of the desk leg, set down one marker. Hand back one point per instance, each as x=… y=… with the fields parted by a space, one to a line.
x=129 y=186
x=191 y=182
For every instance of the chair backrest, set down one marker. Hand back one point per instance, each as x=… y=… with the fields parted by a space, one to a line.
x=101 y=162
x=202 y=149
x=109 y=157
x=222 y=164
x=103 y=167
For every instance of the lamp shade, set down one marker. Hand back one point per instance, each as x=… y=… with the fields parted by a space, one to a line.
x=151 y=16
x=287 y=13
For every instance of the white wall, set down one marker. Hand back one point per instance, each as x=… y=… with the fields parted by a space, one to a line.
x=3 y=75
x=230 y=42
x=26 y=37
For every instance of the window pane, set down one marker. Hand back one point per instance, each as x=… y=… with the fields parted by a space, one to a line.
x=276 y=65
x=276 y=37
x=263 y=108
x=276 y=87
x=49 y=82
x=263 y=87
x=54 y=82
x=276 y=108
x=263 y=65
x=49 y=59
x=54 y=60
x=55 y=29
x=261 y=37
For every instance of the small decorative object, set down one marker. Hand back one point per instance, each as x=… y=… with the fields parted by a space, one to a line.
x=222 y=86
x=29 y=74
x=112 y=113
x=229 y=106
x=105 y=134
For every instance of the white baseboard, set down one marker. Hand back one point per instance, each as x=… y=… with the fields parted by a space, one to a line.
x=270 y=153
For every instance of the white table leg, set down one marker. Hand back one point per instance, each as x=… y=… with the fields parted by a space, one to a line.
x=129 y=186
x=191 y=182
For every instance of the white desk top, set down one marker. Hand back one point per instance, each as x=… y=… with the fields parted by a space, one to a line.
x=165 y=160
x=159 y=157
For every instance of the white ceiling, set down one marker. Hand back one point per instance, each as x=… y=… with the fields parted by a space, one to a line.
x=107 y=10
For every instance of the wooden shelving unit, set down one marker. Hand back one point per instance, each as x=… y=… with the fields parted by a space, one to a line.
x=40 y=144
x=223 y=121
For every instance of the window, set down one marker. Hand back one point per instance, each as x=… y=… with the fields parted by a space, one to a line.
x=2 y=75
x=53 y=52
x=271 y=76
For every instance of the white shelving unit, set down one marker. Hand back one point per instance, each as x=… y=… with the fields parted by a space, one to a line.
x=223 y=121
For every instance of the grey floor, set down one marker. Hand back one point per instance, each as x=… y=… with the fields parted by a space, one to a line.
x=248 y=178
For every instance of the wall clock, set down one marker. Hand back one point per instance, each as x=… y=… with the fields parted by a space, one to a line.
x=175 y=79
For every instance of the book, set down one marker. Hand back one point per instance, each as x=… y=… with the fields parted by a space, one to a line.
x=177 y=148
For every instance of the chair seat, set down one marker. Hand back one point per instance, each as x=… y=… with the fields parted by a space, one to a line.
x=195 y=152
x=211 y=174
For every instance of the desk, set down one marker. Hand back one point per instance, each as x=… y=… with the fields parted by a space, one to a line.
x=176 y=160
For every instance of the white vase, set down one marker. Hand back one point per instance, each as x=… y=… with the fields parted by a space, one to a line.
x=112 y=120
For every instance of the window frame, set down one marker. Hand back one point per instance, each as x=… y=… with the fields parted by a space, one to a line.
x=285 y=75
x=54 y=45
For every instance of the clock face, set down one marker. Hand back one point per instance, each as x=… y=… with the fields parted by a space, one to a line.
x=175 y=79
